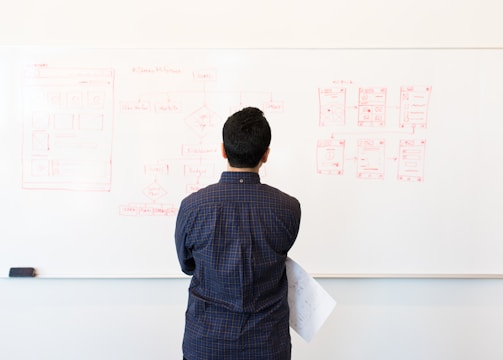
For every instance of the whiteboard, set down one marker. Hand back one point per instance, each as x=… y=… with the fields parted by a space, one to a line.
x=395 y=155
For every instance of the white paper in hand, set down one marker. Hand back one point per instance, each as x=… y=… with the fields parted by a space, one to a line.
x=310 y=304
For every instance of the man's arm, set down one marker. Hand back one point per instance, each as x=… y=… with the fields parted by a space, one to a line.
x=185 y=258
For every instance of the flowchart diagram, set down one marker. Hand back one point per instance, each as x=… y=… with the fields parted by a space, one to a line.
x=195 y=114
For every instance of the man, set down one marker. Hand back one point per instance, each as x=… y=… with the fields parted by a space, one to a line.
x=233 y=238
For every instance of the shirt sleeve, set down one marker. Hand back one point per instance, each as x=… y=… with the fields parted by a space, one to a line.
x=185 y=257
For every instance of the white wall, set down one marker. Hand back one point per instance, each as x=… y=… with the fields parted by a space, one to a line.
x=227 y=23
x=143 y=319
x=413 y=319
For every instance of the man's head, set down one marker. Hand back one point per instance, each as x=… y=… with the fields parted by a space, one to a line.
x=246 y=136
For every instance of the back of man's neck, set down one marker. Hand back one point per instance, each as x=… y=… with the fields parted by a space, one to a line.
x=236 y=169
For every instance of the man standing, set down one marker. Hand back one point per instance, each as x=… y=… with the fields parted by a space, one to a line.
x=233 y=238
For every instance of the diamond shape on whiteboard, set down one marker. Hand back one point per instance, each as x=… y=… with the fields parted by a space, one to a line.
x=202 y=120
x=154 y=191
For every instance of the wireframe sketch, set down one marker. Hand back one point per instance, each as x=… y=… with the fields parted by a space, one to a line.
x=372 y=107
x=68 y=124
x=414 y=103
x=332 y=106
x=330 y=156
x=376 y=128
x=371 y=159
x=411 y=160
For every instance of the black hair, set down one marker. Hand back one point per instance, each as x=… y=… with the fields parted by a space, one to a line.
x=246 y=136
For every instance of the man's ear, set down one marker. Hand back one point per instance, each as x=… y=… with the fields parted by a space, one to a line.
x=266 y=155
x=224 y=154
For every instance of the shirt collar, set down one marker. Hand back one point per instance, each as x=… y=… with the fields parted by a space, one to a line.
x=239 y=177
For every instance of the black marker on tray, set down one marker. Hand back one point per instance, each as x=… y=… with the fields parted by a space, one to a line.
x=22 y=272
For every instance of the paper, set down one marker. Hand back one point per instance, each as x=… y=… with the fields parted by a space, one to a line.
x=310 y=304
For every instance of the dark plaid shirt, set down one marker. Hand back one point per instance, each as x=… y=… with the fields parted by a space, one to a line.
x=233 y=238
